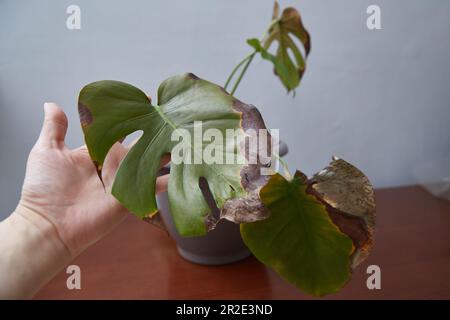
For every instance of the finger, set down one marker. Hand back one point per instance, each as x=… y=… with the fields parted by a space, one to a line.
x=117 y=154
x=82 y=148
x=132 y=143
x=112 y=164
x=112 y=161
x=119 y=151
x=162 y=183
x=54 y=128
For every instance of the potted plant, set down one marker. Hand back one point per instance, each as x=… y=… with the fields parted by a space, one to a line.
x=312 y=231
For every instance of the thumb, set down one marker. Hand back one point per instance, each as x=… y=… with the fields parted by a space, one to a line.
x=54 y=127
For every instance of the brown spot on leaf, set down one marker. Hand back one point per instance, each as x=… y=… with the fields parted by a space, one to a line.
x=156 y=220
x=349 y=200
x=249 y=208
x=353 y=227
x=85 y=115
x=210 y=222
x=251 y=177
x=244 y=210
x=292 y=22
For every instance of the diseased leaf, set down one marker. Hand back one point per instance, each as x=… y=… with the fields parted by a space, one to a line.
x=318 y=229
x=288 y=61
x=111 y=110
x=299 y=240
x=276 y=10
x=346 y=189
x=288 y=76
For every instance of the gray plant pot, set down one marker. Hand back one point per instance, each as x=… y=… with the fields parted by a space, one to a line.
x=220 y=246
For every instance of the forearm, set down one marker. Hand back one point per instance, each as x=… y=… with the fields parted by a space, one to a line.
x=31 y=253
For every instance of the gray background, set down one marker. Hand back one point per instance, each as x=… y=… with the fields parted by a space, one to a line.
x=379 y=99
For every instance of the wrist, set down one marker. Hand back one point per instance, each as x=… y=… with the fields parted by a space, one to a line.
x=42 y=226
x=32 y=253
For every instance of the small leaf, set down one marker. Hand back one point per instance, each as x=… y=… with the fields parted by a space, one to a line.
x=111 y=110
x=283 y=31
x=287 y=76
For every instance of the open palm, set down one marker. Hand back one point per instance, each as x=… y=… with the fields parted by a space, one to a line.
x=62 y=186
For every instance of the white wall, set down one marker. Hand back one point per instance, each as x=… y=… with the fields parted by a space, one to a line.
x=379 y=99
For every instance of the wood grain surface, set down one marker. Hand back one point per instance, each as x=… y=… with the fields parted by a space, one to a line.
x=139 y=261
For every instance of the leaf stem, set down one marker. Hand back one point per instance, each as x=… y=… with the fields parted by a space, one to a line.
x=287 y=174
x=236 y=68
x=242 y=73
x=247 y=60
x=163 y=116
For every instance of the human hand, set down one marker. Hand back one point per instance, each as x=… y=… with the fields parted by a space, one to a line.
x=62 y=186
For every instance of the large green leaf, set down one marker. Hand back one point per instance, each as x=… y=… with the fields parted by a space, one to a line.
x=308 y=238
x=288 y=61
x=299 y=240
x=111 y=110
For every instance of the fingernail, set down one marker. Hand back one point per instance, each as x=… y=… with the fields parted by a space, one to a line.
x=47 y=106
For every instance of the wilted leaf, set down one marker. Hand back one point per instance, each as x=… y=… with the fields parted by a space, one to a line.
x=309 y=239
x=288 y=76
x=346 y=189
x=299 y=240
x=111 y=110
x=289 y=62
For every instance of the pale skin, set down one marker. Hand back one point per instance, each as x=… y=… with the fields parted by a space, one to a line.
x=63 y=202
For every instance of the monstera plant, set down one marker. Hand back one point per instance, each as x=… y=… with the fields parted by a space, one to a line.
x=312 y=231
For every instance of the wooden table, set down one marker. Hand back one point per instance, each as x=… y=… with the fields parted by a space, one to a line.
x=138 y=261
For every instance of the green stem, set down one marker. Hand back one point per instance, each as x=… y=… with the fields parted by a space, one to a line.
x=242 y=73
x=287 y=174
x=236 y=69
x=248 y=59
